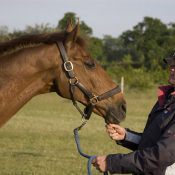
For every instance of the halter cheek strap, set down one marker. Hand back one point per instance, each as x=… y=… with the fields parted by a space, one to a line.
x=73 y=81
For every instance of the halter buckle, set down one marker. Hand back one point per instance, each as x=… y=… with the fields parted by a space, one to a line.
x=94 y=98
x=75 y=80
x=65 y=66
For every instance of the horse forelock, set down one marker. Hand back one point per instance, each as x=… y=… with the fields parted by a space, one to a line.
x=35 y=39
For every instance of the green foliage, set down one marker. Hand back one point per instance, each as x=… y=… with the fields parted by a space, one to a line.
x=153 y=39
x=159 y=75
x=63 y=22
x=112 y=48
x=139 y=79
x=84 y=29
x=96 y=48
x=115 y=49
x=4 y=34
x=127 y=59
x=116 y=71
x=38 y=29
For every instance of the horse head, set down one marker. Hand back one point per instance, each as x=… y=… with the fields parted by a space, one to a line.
x=90 y=74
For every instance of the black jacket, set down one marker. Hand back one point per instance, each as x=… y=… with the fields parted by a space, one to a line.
x=154 y=149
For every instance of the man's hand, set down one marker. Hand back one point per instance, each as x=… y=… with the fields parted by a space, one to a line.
x=116 y=132
x=100 y=163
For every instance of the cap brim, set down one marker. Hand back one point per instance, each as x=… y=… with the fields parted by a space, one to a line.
x=169 y=60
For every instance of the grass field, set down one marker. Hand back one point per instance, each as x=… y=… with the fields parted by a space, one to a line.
x=39 y=139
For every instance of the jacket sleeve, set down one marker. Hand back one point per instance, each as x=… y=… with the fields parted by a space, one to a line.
x=161 y=155
x=131 y=140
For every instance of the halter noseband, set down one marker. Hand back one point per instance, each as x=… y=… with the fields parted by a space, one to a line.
x=73 y=81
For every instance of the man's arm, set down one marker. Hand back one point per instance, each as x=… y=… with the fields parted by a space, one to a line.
x=131 y=140
x=124 y=137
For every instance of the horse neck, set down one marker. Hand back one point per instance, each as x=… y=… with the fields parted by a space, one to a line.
x=25 y=74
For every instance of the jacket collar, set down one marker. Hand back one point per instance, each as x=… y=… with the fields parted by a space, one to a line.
x=164 y=92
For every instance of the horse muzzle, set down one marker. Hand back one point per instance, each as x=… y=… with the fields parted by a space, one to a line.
x=116 y=116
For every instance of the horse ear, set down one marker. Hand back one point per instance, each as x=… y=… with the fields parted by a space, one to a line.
x=72 y=37
x=70 y=26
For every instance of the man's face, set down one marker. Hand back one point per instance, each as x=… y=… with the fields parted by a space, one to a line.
x=172 y=76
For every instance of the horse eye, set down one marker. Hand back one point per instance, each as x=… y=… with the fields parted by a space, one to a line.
x=90 y=64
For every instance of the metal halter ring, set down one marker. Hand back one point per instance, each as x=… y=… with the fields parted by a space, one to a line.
x=70 y=80
x=83 y=119
x=94 y=98
x=66 y=67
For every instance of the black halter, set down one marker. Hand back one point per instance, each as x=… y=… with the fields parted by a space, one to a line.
x=73 y=80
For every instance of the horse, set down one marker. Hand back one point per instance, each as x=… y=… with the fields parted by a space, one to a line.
x=32 y=64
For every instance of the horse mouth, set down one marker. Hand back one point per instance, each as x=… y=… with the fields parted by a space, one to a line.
x=112 y=116
x=115 y=117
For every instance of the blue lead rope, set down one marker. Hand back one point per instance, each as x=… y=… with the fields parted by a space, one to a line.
x=84 y=155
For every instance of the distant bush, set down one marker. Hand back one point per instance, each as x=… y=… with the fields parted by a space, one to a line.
x=140 y=79
x=160 y=76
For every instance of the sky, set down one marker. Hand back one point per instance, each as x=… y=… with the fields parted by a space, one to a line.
x=105 y=17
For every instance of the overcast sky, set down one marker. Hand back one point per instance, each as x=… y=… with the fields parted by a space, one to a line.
x=105 y=17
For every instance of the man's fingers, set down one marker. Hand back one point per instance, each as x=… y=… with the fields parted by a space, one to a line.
x=98 y=168
x=114 y=136
x=111 y=131
x=93 y=160
x=100 y=163
x=115 y=126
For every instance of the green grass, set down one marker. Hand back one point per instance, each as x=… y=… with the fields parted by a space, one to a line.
x=39 y=139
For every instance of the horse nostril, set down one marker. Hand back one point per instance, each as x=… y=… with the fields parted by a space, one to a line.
x=123 y=107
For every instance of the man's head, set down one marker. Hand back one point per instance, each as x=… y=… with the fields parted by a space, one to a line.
x=171 y=62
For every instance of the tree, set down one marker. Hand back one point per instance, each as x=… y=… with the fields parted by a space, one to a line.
x=112 y=48
x=115 y=49
x=84 y=29
x=127 y=59
x=63 y=22
x=38 y=29
x=151 y=37
x=96 y=48
x=4 y=33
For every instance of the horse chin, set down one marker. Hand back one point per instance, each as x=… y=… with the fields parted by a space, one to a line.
x=115 y=117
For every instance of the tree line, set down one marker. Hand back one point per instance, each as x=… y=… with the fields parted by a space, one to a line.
x=136 y=54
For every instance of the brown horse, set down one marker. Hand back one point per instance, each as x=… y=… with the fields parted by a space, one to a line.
x=31 y=65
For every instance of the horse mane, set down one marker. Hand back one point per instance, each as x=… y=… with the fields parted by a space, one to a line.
x=35 y=39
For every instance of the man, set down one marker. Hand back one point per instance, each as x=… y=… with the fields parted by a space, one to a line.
x=154 y=149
